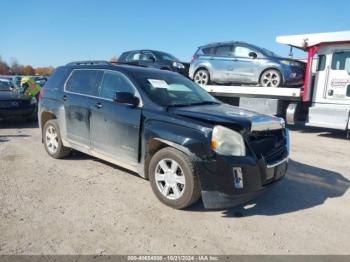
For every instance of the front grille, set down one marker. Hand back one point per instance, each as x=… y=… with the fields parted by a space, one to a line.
x=269 y=145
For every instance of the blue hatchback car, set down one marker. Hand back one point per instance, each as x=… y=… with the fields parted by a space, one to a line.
x=243 y=63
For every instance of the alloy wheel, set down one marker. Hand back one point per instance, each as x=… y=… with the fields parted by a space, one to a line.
x=271 y=78
x=201 y=77
x=170 y=179
x=51 y=139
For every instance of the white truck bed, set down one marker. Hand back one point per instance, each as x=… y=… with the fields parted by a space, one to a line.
x=284 y=93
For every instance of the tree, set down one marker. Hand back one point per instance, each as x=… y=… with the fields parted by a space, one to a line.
x=4 y=68
x=15 y=67
x=28 y=70
x=44 y=71
x=113 y=59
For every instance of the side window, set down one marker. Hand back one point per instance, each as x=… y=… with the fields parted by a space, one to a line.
x=348 y=91
x=147 y=56
x=84 y=82
x=207 y=50
x=242 y=51
x=134 y=56
x=224 y=50
x=321 y=65
x=341 y=61
x=114 y=82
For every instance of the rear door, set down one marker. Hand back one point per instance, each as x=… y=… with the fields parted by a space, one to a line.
x=115 y=127
x=80 y=93
x=222 y=63
x=338 y=82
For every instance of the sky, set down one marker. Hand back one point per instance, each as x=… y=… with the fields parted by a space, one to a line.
x=53 y=33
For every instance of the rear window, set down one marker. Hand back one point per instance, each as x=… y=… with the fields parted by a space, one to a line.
x=57 y=79
x=224 y=50
x=83 y=81
x=208 y=50
x=341 y=61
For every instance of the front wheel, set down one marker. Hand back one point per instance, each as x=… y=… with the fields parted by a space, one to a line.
x=173 y=178
x=271 y=78
x=202 y=77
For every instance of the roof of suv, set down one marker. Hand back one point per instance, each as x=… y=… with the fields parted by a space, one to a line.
x=225 y=42
x=132 y=69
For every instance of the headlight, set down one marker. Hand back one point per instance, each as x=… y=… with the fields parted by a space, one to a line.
x=227 y=142
x=291 y=63
x=178 y=65
x=33 y=101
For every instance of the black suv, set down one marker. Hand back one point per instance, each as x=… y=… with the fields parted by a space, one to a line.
x=154 y=59
x=166 y=128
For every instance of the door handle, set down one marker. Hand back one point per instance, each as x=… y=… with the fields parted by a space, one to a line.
x=98 y=105
x=65 y=98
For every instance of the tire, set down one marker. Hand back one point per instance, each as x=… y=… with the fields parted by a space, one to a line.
x=271 y=78
x=202 y=77
x=52 y=140
x=181 y=188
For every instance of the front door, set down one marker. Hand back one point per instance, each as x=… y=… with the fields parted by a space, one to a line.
x=245 y=67
x=338 y=82
x=115 y=128
x=79 y=94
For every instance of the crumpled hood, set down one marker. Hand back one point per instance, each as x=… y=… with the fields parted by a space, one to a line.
x=229 y=115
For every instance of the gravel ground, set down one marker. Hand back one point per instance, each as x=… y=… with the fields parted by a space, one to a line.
x=82 y=205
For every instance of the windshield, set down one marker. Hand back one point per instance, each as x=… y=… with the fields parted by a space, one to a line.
x=173 y=90
x=268 y=52
x=5 y=86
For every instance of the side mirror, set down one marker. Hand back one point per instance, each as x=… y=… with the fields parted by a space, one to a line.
x=126 y=98
x=253 y=55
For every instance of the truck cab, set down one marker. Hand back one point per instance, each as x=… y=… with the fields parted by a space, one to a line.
x=331 y=97
x=327 y=90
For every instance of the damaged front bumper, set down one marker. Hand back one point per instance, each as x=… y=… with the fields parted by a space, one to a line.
x=228 y=188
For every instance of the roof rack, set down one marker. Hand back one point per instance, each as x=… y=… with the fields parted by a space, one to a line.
x=89 y=62
x=224 y=42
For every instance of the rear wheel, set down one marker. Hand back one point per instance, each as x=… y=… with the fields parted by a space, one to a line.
x=173 y=178
x=52 y=140
x=271 y=78
x=202 y=77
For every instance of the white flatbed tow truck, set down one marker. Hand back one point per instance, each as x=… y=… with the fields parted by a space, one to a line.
x=323 y=101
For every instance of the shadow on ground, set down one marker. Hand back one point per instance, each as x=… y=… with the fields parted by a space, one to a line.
x=18 y=123
x=15 y=124
x=76 y=155
x=323 y=132
x=5 y=138
x=303 y=187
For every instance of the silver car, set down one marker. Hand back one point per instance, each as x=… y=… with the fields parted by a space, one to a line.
x=243 y=63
